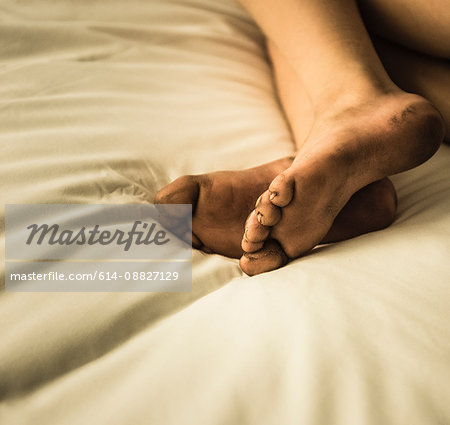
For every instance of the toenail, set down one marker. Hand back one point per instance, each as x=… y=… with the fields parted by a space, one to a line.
x=258 y=201
x=259 y=217
x=273 y=195
x=245 y=233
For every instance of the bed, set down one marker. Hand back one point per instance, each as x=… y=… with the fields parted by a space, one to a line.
x=105 y=102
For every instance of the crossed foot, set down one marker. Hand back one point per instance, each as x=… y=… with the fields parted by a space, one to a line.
x=334 y=189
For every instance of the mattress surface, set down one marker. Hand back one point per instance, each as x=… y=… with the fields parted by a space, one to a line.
x=106 y=103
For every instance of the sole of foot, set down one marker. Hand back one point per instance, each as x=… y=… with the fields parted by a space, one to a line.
x=344 y=153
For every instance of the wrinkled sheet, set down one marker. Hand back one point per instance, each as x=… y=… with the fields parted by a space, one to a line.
x=106 y=102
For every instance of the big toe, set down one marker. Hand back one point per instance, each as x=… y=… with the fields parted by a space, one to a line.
x=282 y=189
x=183 y=190
x=269 y=258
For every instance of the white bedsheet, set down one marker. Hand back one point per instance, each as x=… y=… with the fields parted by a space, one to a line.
x=106 y=102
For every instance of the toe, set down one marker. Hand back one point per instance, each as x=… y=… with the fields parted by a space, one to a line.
x=196 y=242
x=180 y=229
x=183 y=190
x=269 y=258
x=281 y=190
x=248 y=246
x=267 y=213
x=254 y=230
x=167 y=221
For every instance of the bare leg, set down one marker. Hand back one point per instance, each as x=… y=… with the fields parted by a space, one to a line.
x=365 y=128
x=417 y=73
x=424 y=70
x=423 y=26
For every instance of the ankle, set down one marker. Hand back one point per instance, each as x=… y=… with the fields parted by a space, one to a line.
x=333 y=102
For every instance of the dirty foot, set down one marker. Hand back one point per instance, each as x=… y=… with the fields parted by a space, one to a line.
x=345 y=151
x=223 y=200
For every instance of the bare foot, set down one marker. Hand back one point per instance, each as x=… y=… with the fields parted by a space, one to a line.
x=223 y=200
x=343 y=153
